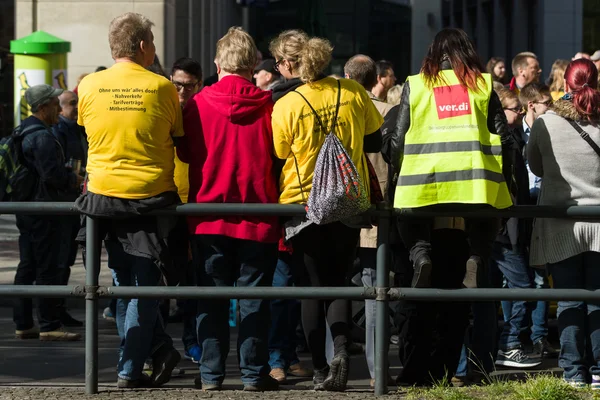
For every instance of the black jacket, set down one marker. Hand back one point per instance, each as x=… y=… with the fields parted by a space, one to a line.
x=45 y=158
x=517 y=231
x=393 y=145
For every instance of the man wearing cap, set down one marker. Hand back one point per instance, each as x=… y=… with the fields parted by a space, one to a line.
x=266 y=75
x=595 y=58
x=39 y=234
x=73 y=141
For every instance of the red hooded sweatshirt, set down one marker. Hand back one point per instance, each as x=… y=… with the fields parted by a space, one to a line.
x=228 y=144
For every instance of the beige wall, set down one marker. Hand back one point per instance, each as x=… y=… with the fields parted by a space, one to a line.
x=85 y=24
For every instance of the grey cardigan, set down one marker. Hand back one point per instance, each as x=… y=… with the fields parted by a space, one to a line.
x=570 y=172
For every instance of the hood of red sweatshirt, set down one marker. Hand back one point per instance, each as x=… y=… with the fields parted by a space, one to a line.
x=235 y=97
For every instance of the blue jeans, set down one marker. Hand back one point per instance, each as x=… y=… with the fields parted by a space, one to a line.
x=518 y=314
x=139 y=323
x=578 y=322
x=285 y=315
x=225 y=261
x=480 y=343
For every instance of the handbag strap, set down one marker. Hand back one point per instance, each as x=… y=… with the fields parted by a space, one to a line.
x=585 y=136
x=337 y=108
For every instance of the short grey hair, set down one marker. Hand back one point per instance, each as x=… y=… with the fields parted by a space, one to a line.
x=126 y=32
x=363 y=70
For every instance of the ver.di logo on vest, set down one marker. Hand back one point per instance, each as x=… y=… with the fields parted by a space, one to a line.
x=452 y=101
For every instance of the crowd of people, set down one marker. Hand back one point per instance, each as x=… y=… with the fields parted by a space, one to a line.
x=457 y=135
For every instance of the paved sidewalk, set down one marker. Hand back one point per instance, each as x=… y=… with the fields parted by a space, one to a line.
x=9 y=259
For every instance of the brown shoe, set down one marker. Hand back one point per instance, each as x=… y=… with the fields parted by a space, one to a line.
x=59 y=335
x=278 y=374
x=391 y=383
x=300 y=371
x=459 y=381
x=31 y=333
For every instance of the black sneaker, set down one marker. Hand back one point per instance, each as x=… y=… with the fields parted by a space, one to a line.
x=543 y=349
x=163 y=363
x=67 y=320
x=319 y=377
x=338 y=374
x=422 y=272
x=268 y=384
x=143 y=382
x=516 y=358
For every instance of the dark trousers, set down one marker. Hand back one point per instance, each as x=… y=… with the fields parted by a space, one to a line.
x=225 y=261
x=38 y=243
x=328 y=252
x=431 y=333
x=67 y=251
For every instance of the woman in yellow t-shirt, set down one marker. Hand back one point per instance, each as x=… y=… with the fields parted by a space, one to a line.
x=326 y=249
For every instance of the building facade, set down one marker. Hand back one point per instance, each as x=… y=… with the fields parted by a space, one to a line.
x=396 y=30
x=552 y=29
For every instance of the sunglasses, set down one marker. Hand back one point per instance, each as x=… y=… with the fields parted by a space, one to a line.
x=547 y=103
x=276 y=66
x=186 y=86
x=518 y=110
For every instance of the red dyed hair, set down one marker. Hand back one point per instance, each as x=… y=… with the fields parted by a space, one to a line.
x=453 y=45
x=582 y=78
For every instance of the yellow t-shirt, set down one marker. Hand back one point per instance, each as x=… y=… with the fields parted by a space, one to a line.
x=130 y=116
x=182 y=179
x=296 y=131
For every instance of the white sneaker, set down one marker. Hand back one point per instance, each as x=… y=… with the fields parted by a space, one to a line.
x=470 y=280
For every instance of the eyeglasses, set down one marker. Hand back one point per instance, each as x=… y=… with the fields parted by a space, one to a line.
x=517 y=110
x=276 y=66
x=547 y=103
x=186 y=86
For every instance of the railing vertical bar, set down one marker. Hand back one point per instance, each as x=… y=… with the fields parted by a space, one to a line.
x=381 y=321
x=92 y=262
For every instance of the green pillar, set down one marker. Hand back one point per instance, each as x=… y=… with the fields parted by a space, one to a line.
x=39 y=58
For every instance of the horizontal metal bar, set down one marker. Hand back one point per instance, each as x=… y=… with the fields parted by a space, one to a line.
x=579 y=212
x=494 y=294
x=21 y=291
x=325 y=293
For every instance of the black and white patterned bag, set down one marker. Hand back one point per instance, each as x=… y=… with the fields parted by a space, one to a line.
x=338 y=191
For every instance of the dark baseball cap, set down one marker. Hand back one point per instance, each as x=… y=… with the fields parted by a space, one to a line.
x=267 y=65
x=38 y=94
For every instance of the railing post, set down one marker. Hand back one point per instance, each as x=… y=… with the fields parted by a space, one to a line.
x=382 y=322
x=92 y=263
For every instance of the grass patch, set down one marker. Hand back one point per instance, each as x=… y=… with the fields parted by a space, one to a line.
x=540 y=387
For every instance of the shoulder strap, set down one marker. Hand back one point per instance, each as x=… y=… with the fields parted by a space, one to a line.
x=585 y=136
x=337 y=108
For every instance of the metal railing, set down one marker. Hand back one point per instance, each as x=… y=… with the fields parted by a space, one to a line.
x=92 y=292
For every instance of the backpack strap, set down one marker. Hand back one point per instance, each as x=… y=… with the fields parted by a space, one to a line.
x=585 y=136
x=337 y=108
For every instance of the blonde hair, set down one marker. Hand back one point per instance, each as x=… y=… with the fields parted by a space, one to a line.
x=557 y=75
x=309 y=56
x=236 y=51
x=394 y=95
x=505 y=95
x=126 y=32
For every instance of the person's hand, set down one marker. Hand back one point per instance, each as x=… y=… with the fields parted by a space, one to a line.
x=80 y=179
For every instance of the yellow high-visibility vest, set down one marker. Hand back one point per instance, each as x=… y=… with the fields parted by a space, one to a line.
x=449 y=154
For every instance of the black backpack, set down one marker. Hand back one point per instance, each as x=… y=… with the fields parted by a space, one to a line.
x=17 y=180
